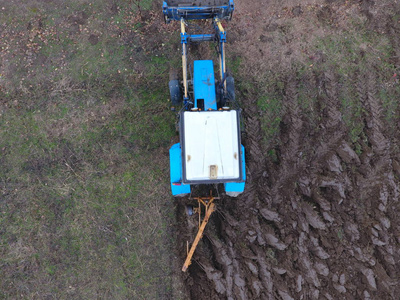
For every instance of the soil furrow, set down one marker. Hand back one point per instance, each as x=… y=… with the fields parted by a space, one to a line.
x=320 y=222
x=380 y=184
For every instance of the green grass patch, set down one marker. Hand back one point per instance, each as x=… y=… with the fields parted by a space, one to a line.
x=92 y=218
x=271 y=107
x=84 y=143
x=352 y=54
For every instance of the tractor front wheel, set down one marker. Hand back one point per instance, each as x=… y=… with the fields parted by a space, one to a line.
x=230 y=88
x=174 y=88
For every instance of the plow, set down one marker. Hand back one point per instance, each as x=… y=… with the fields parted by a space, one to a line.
x=210 y=152
x=209 y=208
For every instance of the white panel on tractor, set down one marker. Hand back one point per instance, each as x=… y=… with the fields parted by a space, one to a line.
x=211 y=146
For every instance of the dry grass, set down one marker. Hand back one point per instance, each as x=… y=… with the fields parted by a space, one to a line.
x=341 y=38
x=84 y=131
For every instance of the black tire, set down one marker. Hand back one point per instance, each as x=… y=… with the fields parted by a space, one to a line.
x=220 y=94
x=174 y=88
x=230 y=88
x=175 y=92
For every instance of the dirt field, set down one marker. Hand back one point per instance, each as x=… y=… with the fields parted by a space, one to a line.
x=85 y=127
x=319 y=218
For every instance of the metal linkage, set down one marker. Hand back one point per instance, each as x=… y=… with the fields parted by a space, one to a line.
x=222 y=40
x=184 y=36
x=197 y=10
x=209 y=206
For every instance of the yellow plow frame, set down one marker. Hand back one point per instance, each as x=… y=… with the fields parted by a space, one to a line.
x=209 y=207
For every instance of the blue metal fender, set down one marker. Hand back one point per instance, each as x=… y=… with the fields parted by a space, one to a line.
x=175 y=159
x=234 y=189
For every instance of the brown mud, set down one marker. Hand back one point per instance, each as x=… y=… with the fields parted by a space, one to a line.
x=320 y=222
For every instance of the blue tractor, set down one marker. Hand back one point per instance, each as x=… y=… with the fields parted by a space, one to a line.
x=210 y=150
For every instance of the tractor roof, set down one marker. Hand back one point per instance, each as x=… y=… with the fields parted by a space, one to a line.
x=210 y=143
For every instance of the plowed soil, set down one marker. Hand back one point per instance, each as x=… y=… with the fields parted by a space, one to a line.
x=321 y=220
